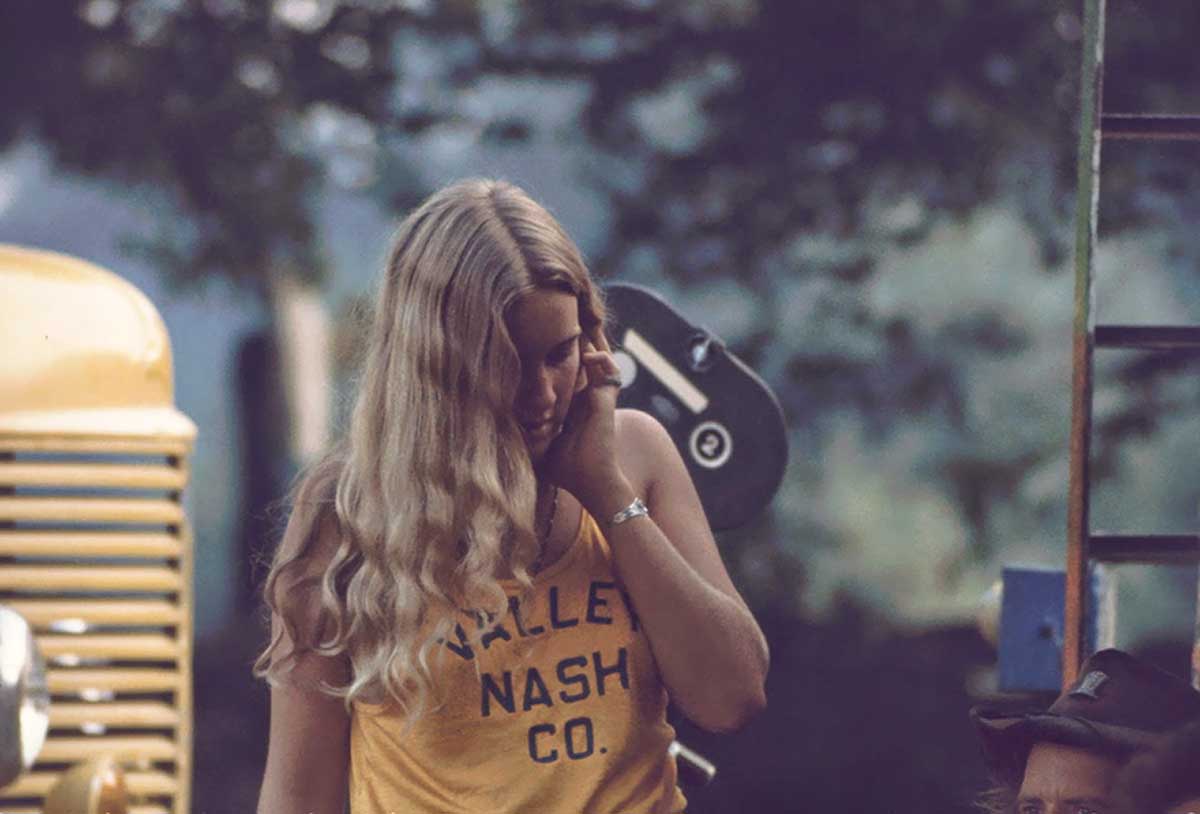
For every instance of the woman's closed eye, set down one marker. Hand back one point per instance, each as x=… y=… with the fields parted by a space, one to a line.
x=562 y=352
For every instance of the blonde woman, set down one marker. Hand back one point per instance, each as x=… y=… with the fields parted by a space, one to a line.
x=488 y=591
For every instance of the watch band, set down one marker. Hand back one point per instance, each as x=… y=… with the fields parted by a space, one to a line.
x=635 y=509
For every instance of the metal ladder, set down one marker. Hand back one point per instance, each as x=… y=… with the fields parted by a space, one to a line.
x=1083 y=547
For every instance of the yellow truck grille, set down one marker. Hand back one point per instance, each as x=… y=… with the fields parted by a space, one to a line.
x=95 y=553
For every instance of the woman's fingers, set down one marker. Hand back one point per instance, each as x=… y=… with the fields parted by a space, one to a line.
x=602 y=370
x=600 y=365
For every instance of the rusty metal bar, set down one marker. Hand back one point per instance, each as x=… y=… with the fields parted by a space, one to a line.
x=1087 y=197
x=1196 y=638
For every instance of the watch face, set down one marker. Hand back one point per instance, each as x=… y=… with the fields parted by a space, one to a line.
x=724 y=420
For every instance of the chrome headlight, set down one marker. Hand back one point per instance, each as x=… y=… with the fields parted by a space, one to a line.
x=24 y=697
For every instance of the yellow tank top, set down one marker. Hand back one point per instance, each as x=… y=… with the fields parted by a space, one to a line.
x=560 y=709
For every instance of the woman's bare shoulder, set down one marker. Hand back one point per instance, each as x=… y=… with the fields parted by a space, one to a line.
x=309 y=546
x=642 y=442
x=314 y=532
x=638 y=425
x=300 y=617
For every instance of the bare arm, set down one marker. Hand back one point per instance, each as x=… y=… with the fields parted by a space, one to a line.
x=710 y=651
x=308 y=752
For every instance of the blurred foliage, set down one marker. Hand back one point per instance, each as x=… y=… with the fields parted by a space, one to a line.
x=758 y=119
x=870 y=202
x=230 y=112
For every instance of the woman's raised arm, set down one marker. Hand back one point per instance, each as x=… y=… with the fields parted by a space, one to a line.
x=710 y=651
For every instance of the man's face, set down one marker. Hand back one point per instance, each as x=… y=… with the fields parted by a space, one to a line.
x=1188 y=806
x=1066 y=780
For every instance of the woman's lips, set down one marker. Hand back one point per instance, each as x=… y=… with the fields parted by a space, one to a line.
x=539 y=429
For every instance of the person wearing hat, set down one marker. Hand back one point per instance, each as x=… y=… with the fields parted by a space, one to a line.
x=1165 y=780
x=1065 y=760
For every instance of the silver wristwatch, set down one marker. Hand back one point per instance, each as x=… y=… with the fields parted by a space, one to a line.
x=635 y=509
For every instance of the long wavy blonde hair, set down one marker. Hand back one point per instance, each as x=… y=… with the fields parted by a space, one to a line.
x=431 y=492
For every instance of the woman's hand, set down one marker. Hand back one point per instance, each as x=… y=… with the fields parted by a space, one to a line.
x=583 y=458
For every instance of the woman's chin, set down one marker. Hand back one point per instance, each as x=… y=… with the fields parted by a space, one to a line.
x=539 y=447
x=538 y=450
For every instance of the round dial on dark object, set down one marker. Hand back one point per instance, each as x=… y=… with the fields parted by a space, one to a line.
x=723 y=418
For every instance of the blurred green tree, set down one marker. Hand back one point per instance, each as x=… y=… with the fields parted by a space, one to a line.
x=870 y=201
x=782 y=167
x=830 y=185
x=230 y=118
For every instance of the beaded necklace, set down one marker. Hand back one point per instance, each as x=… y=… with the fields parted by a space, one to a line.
x=544 y=540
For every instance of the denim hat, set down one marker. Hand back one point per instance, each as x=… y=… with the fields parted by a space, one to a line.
x=1117 y=706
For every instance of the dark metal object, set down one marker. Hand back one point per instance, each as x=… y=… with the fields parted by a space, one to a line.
x=1150 y=126
x=1148 y=337
x=702 y=352
x=725 y=421
x=694 y=769
x=1174 y=549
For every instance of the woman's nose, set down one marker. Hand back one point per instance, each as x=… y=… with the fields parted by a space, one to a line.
x=538 y=390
